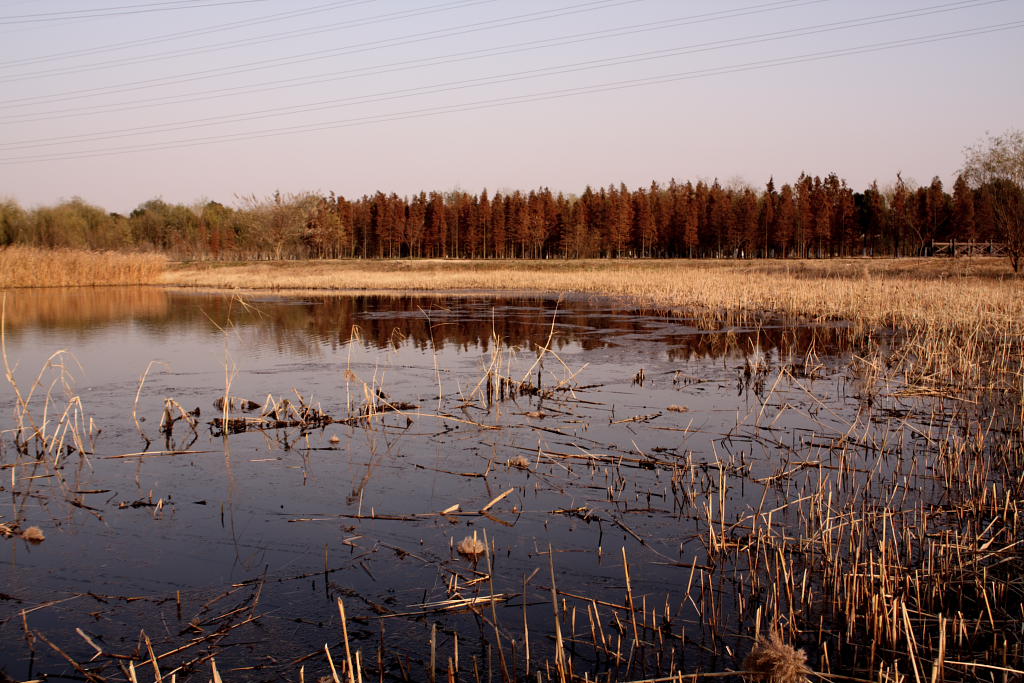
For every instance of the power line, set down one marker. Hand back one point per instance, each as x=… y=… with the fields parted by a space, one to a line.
x=393 y=67
x=588 y=6
x=248 y=42
x=524 y=99
x=120 y=11
x=216 y=28
x=465 y=84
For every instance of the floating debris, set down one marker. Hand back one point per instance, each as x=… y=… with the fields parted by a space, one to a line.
x=236 y=403
x=275 y=414
x=173 y=411
x=372 y=409
x=33 y=534
x=775 y=661
x=677 y=409
x=335 y=438
x=519 y=462
x=497 y=388
x=471 y=547
x=635 y=418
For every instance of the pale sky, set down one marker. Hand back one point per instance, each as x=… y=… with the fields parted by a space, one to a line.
x=120 y=101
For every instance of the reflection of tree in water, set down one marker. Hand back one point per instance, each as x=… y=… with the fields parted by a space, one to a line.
x=82 y=308
x=383 y=321
x=303 y=325
x=788 y=341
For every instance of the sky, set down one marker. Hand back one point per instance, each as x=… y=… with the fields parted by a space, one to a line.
x=122 y=101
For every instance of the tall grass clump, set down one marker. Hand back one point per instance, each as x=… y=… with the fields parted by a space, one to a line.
x=32 y=267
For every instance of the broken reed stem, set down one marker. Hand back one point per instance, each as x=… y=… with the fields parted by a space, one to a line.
x=494 y=611
x=629 y=597
x=330 y=662
x=135 y=404
x=560 y=660
x=348 y=651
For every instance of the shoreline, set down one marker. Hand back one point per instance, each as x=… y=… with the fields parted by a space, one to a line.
x=975 y=293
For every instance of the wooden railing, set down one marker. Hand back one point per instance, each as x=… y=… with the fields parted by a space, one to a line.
x=968 y=249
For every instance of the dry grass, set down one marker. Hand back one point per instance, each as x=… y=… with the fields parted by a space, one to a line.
x=471 y=547
x=772 y=660
x=907 y=292
x=31 y=267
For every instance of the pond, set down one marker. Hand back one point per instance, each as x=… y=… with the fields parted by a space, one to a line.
x=634 y=479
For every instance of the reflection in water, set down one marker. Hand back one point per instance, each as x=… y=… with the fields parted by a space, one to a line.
x=82 y=308
x=305 y=325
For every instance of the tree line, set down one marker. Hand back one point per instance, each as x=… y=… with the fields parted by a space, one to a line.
x=811 y=217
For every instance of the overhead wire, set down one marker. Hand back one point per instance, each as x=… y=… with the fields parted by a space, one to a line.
x=393 y=67
x=569 y=10
x=121 y=11
x=522 y=99
x=178 y=35
x=465 y=84
x=249 y=42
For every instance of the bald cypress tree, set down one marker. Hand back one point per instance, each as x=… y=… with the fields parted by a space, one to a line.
x=873 y=219
x=518 y=221
x=785 y=220
x=804 y=214
x=416 y=224
x=484 y=219
x=964 y=228
x=766 y=217
x=697 y=219
x=643 y=222
x=619 y=220
x=499 y=237
x=747 y=215
x=720 y=219
x=437 y=226
x=661 y=210
x=900 y=216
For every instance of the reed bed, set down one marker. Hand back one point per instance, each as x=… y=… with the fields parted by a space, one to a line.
x=32 y=267
x=870 y=292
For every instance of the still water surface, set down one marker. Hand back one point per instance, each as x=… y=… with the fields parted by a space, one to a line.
x=597 y=463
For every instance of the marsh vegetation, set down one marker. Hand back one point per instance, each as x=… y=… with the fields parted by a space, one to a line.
x=819 y=479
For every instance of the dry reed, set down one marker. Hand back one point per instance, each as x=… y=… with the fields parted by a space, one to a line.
x=32 y=267
x=907 y=292
x=772 y=660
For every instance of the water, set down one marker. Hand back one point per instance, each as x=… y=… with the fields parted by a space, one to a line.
x=205 y=534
